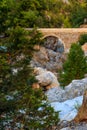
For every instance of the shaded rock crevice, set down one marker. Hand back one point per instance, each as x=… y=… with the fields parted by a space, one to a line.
x=50 y=56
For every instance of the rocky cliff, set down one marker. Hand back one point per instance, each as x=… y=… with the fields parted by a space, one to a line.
x=50 y=56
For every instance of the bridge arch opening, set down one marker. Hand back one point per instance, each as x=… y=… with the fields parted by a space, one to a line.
x=54 y=43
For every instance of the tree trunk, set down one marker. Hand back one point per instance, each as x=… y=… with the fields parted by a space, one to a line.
x=82 y=113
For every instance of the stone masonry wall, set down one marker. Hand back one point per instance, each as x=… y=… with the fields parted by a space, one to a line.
x=67 y=35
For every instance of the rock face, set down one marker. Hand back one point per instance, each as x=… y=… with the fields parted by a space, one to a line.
x=55 y=94
x=74 y=89
x=53 y=43
x=46 y=78
x=67 y=109
x=48 y=59
x=82 y=113
x=51 y=56
x=68 y=100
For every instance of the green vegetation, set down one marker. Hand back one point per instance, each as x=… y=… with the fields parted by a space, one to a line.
x=75 y=66
x=83 y=39
x=16 y=50
x=77 y=106
x=16 y=79
x=16 y=74
x=50 y=13
x=78 y=12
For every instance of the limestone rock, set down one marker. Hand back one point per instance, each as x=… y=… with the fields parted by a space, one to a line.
x=54 y=43
x=84 y=47
x=67 y=128
x=67 y=109
x=46 y=78
x=74 y=89
x=49 y=56
x=35 y=86
x=48 y=59
x=55 y=94
x=82 y=113
x=41 y=56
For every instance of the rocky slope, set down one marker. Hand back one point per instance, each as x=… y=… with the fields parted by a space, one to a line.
x=50 y=56
x=68 y=101
x=74 y=89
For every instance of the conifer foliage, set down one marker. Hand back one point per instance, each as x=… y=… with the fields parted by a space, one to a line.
x=20 y=105
x=75 y=66
x=83 y=39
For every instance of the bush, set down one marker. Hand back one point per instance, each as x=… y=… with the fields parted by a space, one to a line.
x=75 y=66
x=83 y=39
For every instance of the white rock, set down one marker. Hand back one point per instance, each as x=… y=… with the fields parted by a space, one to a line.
x=68 y=100
x=46 y=78
x=74 y=89
x=67 y=128
x=55 y=94
x=67 y=109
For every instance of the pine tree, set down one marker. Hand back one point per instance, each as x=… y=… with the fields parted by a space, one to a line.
x=75 y=66
x=19 y=102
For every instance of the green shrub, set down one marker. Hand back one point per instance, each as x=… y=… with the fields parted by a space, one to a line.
x=75 y=66
x=83 y=39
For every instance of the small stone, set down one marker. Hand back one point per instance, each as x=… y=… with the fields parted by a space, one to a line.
x=67 y=128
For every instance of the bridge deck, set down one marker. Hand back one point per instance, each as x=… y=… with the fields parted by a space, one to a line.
x=70 y=30
x=67 y=35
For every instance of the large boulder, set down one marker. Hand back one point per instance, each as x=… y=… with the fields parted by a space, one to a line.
x=49 y=56
x=55 y=61
x=55 y=94
x=41 y=56
x=46 y=78
x=68 y=109
x=68 y=101
x=74 y=89
x=54 y=43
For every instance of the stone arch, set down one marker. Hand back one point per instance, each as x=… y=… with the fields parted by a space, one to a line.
x=53 y=35
x=54 y=43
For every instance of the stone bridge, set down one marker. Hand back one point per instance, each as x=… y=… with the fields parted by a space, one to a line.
x=67 y=35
